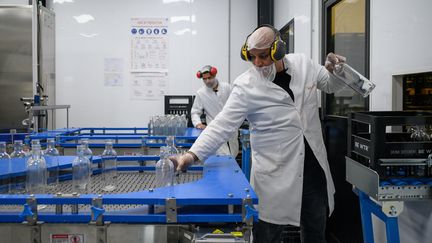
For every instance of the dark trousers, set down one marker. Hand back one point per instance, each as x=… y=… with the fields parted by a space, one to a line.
x=314 y=208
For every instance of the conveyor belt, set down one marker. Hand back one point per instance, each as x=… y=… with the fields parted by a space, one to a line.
x=127 y=182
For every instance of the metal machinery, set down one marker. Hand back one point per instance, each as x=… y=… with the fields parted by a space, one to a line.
x=27 y=65
x=215 y=196
x=127 y=141
x=389 y=161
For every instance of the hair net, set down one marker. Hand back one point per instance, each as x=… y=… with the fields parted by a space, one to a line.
x=261 y=38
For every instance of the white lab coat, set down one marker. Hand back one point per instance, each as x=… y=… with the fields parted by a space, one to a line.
x=212 y=103
x=277 y=126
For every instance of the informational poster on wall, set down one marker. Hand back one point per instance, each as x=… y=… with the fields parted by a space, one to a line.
x=148 y=86
x=149 y=45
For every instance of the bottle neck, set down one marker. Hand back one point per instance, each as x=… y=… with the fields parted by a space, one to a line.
x=18 y=147
x=36 y=151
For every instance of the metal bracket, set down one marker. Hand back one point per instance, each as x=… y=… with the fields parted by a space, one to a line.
x=248 y=202
x=101 y=233
x=35 y=234
x=97 y=211
x=32 y=216
x=74 y=207
x=59 y=207
x=171 y=210
x=392 y=208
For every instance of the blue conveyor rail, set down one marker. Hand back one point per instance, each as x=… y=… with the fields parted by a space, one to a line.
x=223 y=184
x=69 y=138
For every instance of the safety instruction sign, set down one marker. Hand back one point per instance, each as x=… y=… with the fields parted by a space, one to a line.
x=149 y=44
x=67 y=238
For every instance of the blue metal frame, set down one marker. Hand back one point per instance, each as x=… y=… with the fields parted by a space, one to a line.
x=222 y=185
x=69 y=138
x=246 y=152
x=10 y=137
x=369 y=207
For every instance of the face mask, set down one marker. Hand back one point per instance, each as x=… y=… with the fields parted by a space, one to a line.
x=211 y=83
x=267 y=72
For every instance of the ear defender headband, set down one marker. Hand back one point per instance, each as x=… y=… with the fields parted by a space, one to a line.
x=206 y=69
x=277 y=48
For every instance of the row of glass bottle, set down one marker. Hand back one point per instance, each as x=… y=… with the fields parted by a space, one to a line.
x=167 y=125
x=42 y=167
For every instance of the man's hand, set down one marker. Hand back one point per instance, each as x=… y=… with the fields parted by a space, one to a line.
x=332 y=60
x=200 y=126
x=184 y=161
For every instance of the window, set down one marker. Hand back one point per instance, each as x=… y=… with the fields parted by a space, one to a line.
x=287 y=35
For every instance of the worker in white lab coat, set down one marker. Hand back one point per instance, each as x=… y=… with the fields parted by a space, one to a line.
x=210 y=99
x=290 y=171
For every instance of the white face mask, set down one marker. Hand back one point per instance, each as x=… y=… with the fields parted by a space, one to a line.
x=267 y=72
x=211 y=83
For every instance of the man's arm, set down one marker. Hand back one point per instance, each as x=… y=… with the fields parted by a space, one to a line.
x=196 y=112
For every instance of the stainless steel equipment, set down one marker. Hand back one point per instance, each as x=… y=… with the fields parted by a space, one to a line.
x=27 y=61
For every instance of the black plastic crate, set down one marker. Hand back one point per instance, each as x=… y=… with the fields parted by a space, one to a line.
x=385 y=135
x=179 y=105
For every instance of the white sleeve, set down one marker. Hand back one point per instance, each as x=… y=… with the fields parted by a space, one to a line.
x=222 y=128
x=196 y=111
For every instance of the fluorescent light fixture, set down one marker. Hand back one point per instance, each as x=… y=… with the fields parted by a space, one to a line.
x=89 y=35
x=63 y=1
x=177 y=1
x=182 y=32
x=187 y=18
x=84 y=18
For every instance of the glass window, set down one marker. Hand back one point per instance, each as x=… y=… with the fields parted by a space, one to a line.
x=287 y=35
x=346 y=34
x=417 y=92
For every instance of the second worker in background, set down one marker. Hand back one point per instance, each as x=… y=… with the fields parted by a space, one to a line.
x=209 y=100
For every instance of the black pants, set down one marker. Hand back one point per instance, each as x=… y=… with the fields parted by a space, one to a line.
x=314 y=209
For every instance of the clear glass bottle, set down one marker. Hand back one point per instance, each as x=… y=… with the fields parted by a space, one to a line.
x=353 y=79
x=81 y=171
x=36 y=177
x=109 y=167
x=52 y=159
x=164 y=169
x=5 y=162
x=88 y=153
x=18 y=151
x=17 y=184
x=170 y=143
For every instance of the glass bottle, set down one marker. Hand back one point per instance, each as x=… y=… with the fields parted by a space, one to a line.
x=88 y=153
x=17 y=184
x=36 y=179
x=18 y=151
x=52 y=159
x=164 y=169
x=353 y=79
x=109 y=167
x=5 y=162
x=170 y=143
x=81 y=171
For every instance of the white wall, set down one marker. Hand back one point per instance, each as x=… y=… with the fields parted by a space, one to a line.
x=301 y=11
x=401 y=37
x=80 y=60
x=243 y=22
